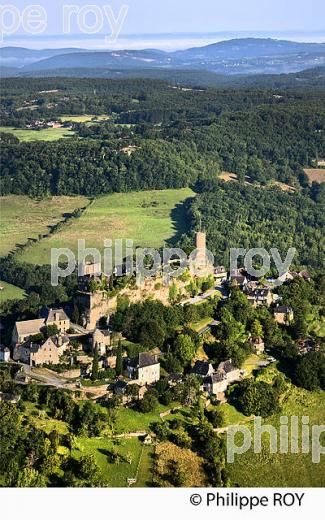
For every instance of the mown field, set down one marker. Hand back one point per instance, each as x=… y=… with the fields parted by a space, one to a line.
x=23 y=218
x=135 y=459
x=10 y=292
x=148 y=218
x=86 y=118
x=283 y=470
x=46 y=134
x=315 y=174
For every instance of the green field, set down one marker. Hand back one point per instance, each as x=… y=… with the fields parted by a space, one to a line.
x=149 y=218
x=10 y=292
x=135 y=459
x=316 y=324
x=47 y=134
x=129 y=420
x=283 y=470
x=83 y=118
x=23 y=218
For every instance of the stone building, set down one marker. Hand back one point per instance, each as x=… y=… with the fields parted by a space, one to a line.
x=218 y=382
x=145 y=368
x=200 y=264
x=101 y=340
x=283 y=315
x=24 y=330
x=46 y=352
x=258 y=345
x=202 y=369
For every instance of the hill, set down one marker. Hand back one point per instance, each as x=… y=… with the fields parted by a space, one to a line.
x=240 y=56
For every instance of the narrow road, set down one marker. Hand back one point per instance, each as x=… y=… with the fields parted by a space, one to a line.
x=213 y=323
x=201 y=297
x=50 y=379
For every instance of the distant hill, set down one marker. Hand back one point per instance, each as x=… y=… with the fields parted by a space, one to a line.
x=250 y=48
x=85 y=59
x=233 y=57
x=20 y=57
x=193 y=78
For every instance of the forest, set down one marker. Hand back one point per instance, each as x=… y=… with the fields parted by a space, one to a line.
x=156 y=136
x=239 y=215
x=179 y=135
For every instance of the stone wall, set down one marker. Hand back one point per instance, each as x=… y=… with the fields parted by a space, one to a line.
x=98 y=304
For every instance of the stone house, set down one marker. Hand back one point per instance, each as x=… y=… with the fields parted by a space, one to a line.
x=56 y=317
x=215 y=384
x=46 y=352
x=120 y=387
x=145 y=368
x=102 y=340
x=109 y=361
x=238 y=278
x=24 y=330
x=260 y=296
x=305 y=346
x=220 y=274
x=202 y=369
x=218 y=382
x=175 y=379
x=8 y=397
x=283 y=315
x=231 y=372
x=258 y=345
x=305 y=275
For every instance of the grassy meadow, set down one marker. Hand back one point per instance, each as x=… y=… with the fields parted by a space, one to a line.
x=149 y=218
x=46 y=134
x=10 y=292
x=135 y=459
x=23 y=218
x=86 y=118
x=282 y=470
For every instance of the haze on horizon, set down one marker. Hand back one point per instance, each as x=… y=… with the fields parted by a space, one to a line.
x=170 y=25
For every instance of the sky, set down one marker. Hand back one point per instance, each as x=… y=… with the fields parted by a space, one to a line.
x=166 y=23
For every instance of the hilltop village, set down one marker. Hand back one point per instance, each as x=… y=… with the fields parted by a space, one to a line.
x=96 y=342
x=111 y=380
x=172 y=360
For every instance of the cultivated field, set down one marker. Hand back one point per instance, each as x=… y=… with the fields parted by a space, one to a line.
x=148 y=218
x=10 y=292
x=83 y=118
x=315 y=174
x=23 y=218
x=47 y=134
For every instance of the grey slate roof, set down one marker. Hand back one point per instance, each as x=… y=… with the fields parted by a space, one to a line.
x=227 y=366
x=282 y=309
x=60 y=314
x=146 y=360
x=201 y=368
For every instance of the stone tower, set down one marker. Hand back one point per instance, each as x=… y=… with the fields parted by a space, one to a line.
x=201 y=241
